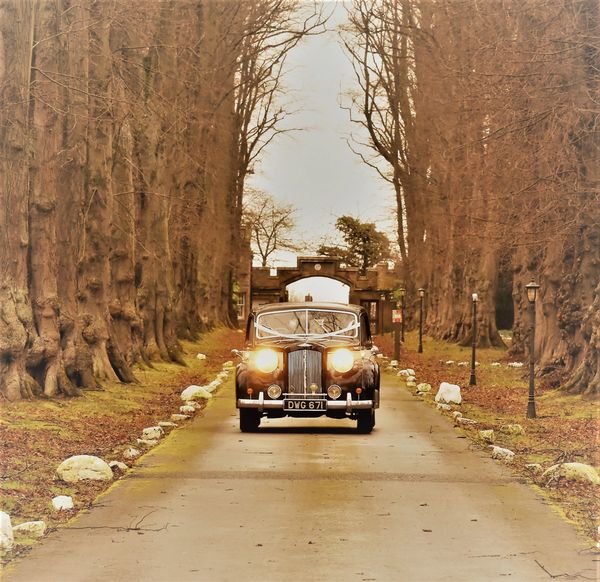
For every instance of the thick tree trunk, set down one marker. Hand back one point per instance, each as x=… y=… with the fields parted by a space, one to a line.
x=16 y=319
x=45 y=357
x=586 y=378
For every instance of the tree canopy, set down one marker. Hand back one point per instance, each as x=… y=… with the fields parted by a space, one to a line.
x=364 y=246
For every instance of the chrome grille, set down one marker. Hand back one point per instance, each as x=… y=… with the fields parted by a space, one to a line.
x=304 y=369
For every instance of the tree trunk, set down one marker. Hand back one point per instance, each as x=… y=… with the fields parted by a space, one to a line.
x=16 y=319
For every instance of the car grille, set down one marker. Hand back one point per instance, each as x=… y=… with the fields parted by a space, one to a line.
x=304 y=369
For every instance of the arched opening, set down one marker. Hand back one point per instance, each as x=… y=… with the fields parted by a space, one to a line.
x=318 y=289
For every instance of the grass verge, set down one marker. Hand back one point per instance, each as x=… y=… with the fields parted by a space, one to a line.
x=36 y=436
x=567 y=428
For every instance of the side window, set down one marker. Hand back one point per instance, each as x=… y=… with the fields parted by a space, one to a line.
x=250 y=330
x=365 y=330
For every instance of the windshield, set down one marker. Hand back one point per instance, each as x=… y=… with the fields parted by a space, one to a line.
x=307 y=322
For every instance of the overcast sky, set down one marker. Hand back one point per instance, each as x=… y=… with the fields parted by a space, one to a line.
x=314 y=169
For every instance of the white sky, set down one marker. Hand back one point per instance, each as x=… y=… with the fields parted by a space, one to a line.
x=314 y=169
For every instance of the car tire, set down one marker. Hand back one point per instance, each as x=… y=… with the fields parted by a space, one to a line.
x=365 y=421
x=249 y=420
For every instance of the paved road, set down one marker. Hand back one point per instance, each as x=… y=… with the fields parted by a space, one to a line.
x=410 y=502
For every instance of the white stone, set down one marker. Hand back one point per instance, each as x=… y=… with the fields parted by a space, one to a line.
x=404 y=373
x=502 y=454
x=6 y=531
x=201 y=356
x=118 y=465
x=574 y=472
x=411 y=384
x=187 y=409
x=463 y=364
x=147 y=442
x=153 y=433
x=228 y=364
x=166 y=424
x=515 y=365
x=213 y=385
x=487 y=436
x=514 y=429
x=423 y=388
x=533 y=467
x=446 y=407
x=495 y=364
x=131 y=453
x=84 y=467
x=411 y=372
x=223 y=375
x=394 y=363
x=411 y=379
x=463 y=420
x=193 y=392
x=62 y=503
x=456 y=414
x=176 y=417
x=34 y=529
x=448 y=393
x=449 y=362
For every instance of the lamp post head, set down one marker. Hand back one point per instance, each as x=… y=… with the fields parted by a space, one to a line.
x=402 y=292
x=532 y=289
x=421 y=292
x=475 y=297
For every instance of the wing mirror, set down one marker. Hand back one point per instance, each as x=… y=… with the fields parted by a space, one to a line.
x=237 y=353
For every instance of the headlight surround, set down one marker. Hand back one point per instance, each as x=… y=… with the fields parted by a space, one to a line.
x=341 y=360
x=266 y=360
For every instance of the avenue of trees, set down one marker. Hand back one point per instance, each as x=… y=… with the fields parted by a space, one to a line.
x=484 y=117
x=127 y=129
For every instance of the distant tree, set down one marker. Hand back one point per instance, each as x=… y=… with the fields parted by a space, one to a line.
x=270 y=224
x=364 y=245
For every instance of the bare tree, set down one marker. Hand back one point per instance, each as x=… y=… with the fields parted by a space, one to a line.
x=270 y=223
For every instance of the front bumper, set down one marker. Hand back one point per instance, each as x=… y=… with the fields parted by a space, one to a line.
x=348 y=405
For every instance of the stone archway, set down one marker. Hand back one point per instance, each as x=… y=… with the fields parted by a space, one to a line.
x=371 y=289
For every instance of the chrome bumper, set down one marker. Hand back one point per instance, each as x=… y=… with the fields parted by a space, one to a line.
x=348 y=405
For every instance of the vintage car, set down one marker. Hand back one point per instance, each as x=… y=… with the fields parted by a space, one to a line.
x=306 y=360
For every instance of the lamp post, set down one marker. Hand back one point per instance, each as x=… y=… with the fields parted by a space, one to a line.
x=402 y=295
x=473 y=379
x=421 y=295
x=532 y=289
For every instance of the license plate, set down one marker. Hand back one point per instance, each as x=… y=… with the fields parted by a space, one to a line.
x=304 y=405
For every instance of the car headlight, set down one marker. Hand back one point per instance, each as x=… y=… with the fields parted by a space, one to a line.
x=274 y=391
x=342 y=360
x=266 y=360
x=334 y=391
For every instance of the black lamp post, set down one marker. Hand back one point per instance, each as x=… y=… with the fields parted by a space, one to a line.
x=381 y=315
x=402 y=295
x=473 y=379
x=421 y=295
x=532 y=289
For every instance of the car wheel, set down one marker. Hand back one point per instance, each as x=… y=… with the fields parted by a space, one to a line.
x=365 y=421
x=249 y=420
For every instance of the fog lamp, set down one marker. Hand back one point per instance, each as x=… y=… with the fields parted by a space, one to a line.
x=266 y=360
x=274 y=391
x=334 y=391
x=342 y=360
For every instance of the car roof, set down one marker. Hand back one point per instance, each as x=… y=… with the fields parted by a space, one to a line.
x=328 y=306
